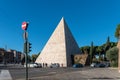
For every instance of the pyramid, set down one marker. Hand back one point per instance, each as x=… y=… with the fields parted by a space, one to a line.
x=60 y=47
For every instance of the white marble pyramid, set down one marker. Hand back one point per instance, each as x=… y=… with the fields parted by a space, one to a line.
x=60 y=47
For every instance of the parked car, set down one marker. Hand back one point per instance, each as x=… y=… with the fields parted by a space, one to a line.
x=38 y=65
x=93 y=65
x=77 y=65
x=97 y=65
x=55 y=65
x=33 y=65
x=107 y=64
x=101 y=65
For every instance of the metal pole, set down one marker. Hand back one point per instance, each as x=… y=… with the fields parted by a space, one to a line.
x=26 y=57
x=24 y=27
x=26 y=62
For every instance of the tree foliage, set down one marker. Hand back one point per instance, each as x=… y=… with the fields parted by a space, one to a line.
x=117 y=32
x=85 y=49
x=34 y=57
x=112 y=55
x=91 y=52
x=99 y=51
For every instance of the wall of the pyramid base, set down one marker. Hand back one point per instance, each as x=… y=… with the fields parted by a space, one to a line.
x=80 y=58
x=47 y=62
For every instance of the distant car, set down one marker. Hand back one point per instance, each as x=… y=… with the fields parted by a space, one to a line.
x=101 y=65
x=55 y=65
x=93 y=65
x=98 y=65
x=77 y=65
x=38 y=65
x=33 y=65
x=107 y=64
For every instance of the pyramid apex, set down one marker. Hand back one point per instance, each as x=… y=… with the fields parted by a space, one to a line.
x=62 y=19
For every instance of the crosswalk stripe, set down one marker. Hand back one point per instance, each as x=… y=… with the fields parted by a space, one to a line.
x=5 y=75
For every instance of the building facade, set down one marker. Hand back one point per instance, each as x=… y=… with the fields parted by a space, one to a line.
x=10 y=56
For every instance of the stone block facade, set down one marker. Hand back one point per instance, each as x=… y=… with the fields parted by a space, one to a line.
x=59 y=48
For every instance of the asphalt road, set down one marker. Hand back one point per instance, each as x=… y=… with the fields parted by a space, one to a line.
x=86 y=73
x=39 y=73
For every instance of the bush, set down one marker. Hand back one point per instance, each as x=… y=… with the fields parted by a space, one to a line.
x=112 y=56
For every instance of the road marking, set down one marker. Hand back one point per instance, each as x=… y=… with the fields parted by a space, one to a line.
x=52 y=73
x=5 y=75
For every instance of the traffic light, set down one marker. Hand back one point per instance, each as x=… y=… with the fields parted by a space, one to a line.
x=29 y=47
x=25 y=47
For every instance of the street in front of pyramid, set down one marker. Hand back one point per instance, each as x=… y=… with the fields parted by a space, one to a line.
x=17 y=72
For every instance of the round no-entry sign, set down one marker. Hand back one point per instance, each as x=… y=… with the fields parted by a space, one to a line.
x=24 y=25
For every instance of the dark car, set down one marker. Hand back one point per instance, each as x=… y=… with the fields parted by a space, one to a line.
x=98 y=65
x=101 y=65
x=78 y=65
x=107 y=64
x=38 y=65
x=95 y=65
x=55 y=65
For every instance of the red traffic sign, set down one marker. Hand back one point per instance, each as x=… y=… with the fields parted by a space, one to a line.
x=24 y=25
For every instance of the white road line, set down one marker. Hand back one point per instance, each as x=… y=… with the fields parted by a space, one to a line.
x=5 y=75
x=51 y=72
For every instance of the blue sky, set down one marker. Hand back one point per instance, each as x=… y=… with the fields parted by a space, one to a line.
x=88 y=20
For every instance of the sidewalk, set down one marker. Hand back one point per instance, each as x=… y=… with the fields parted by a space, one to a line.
x=2 y=66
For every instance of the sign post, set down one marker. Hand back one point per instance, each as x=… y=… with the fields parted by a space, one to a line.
x=25 y=35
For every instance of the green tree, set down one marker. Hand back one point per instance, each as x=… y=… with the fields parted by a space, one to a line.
x=95 y=50
x=112 y=56
x=94 y=60
x=23 y=59
x=112 y=44
x=117 y=32
x=107 y=45
x=91 y=52
x=85 y=49
x=34 y=57
x=100 y=51
x=29 y=58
